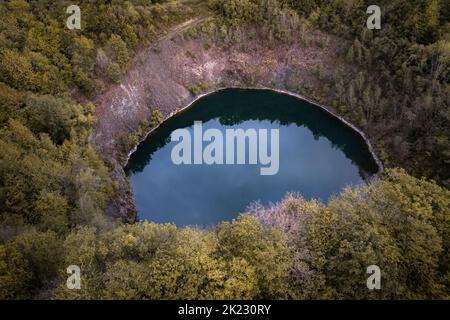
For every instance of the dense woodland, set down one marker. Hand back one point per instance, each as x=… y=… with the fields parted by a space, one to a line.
x=393 y=83
x=54 y=187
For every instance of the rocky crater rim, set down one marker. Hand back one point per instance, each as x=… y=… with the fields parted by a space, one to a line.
x=160 y=80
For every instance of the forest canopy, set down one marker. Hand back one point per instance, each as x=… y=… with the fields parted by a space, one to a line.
x=294 y=249
x=55 y=187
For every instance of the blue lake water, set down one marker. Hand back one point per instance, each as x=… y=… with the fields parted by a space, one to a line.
x=318 y=156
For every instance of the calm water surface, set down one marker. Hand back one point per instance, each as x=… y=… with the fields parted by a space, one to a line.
x=319 y=156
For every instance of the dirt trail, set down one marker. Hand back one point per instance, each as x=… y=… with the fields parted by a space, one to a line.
x=182 y=27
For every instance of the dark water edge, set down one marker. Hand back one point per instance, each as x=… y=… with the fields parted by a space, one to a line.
x=300 y=121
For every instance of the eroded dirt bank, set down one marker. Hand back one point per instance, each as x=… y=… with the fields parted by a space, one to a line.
x=160 y=78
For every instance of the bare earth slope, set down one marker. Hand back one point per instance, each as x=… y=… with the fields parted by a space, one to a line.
x=160 y=77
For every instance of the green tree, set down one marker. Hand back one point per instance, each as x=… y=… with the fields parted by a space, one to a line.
x=51 y=115
x=157 y=118
x=195 y=90
x=118 y=50
x=266 y=250
x=16 y=70
x=14 y=272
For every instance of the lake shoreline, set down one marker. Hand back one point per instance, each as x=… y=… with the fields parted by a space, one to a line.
x=280 y=91
x=321 y=156
x=161 y=80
